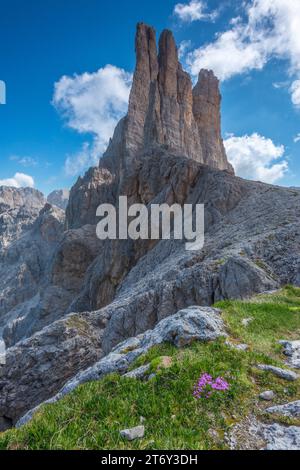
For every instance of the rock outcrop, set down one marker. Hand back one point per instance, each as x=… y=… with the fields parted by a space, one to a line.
x=251 y=434
x=279 y=437
x=291 y=410
x=291 y=349
x=284 y=374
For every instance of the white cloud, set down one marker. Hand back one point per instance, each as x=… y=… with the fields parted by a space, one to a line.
x=297 y=138
x=227 y=56
x=295 y=93
x=255 y=157
x=184 y=46
x=269 y=29
x=279 y=85
x=24 y=161
x=194 y=11
x=20 y=180
x=87 y=156
x=92 y=103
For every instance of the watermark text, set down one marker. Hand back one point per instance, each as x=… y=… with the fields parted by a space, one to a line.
x=153 y=222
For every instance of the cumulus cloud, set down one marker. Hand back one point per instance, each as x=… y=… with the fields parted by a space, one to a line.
x=269 y=29
x=228 y=56
x=92 y=103
x=196 y=10
x=20 y=180
x=256 y=157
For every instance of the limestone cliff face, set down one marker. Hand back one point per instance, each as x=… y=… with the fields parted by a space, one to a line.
x=18 y=210
x=207 y=114
x=164 y=109
x=144 y=89
x=25 y=256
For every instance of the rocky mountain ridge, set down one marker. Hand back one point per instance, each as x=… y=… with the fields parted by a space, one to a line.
x=30 y=231
x=91 y=295
x=19 y=209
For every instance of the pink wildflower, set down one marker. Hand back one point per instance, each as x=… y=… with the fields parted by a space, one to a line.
x=206 y=386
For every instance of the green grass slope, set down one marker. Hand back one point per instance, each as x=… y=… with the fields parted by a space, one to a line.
x=92 y=416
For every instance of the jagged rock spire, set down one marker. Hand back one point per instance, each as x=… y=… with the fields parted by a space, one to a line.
x=165 y=110
x=144 y=83
x=207 y=114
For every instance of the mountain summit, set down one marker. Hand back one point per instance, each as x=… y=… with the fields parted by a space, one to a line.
x=166 y=111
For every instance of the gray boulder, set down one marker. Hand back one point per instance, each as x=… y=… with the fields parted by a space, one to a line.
x=238 y=347
x=138 y=373
x=189 y=325
x=292 y=410
x=284 y=374
x=134 y=433
x=269 y=395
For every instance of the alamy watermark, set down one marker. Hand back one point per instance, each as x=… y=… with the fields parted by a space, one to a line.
x=2 y=92
x=153 y=222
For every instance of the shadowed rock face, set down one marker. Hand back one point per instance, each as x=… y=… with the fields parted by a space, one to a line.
x=165 y=110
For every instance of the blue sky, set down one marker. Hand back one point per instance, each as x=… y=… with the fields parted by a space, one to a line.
x=52 y=128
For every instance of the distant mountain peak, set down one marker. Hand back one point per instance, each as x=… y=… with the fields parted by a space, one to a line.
x=59 y=198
